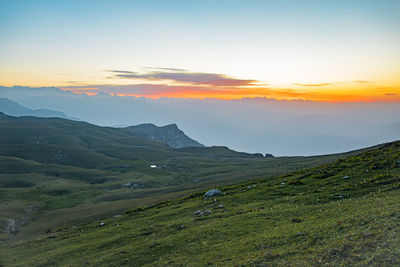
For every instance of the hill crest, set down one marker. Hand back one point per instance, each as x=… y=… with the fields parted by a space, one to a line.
x=169 y=134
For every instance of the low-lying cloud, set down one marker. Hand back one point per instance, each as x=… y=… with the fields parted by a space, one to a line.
x=188 y=91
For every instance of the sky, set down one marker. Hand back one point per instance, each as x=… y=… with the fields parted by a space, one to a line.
x=328 y=51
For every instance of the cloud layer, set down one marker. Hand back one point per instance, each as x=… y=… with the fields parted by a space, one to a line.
x=157 y=82
x=179 y=75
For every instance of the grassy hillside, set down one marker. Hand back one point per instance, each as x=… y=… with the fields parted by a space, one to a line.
x=344 y=213
x=56 y=172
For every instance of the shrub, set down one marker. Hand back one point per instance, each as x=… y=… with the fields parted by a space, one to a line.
x=295 y=182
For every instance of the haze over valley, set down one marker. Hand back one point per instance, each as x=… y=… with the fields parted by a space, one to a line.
x=258 y=125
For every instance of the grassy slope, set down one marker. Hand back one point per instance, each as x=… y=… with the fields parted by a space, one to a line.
x=55 y=172
x=308 y=217
x=62 y=194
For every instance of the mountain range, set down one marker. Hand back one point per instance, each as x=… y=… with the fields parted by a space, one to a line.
x=256 y=125
x=12 y=108
x=168 y=134
x=56 y=172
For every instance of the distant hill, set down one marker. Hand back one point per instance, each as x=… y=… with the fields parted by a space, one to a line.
x=218 y=151
x=12 y=108
x=168 y=134
x=69 y=142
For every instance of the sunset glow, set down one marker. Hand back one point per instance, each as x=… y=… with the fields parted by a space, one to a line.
x=186 y=84
x=340 y=51
x=287 y=94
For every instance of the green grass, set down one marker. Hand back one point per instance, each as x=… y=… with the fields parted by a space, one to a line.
x=49 y=186
x=344 y=213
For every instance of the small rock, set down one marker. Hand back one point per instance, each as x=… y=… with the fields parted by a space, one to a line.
x=346 y=177
x=220 y=206
x=340 y=197
x=117 y=215
x=212 y=192
x=102 y=224
x=198 y=213
x=297 y=220
x=201 y=212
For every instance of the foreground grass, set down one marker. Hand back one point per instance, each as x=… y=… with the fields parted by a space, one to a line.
x=346 y=213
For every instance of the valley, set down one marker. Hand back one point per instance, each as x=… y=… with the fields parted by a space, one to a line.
x=57 y=172
x=340 y=213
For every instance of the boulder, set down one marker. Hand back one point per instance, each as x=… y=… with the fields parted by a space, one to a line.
x=212 y=192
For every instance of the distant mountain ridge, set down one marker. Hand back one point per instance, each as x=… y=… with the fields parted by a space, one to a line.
x=61 y=141
x=12 y=108
x=168 y=134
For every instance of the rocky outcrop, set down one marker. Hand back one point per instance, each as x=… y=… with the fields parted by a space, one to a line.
x=168 y=134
